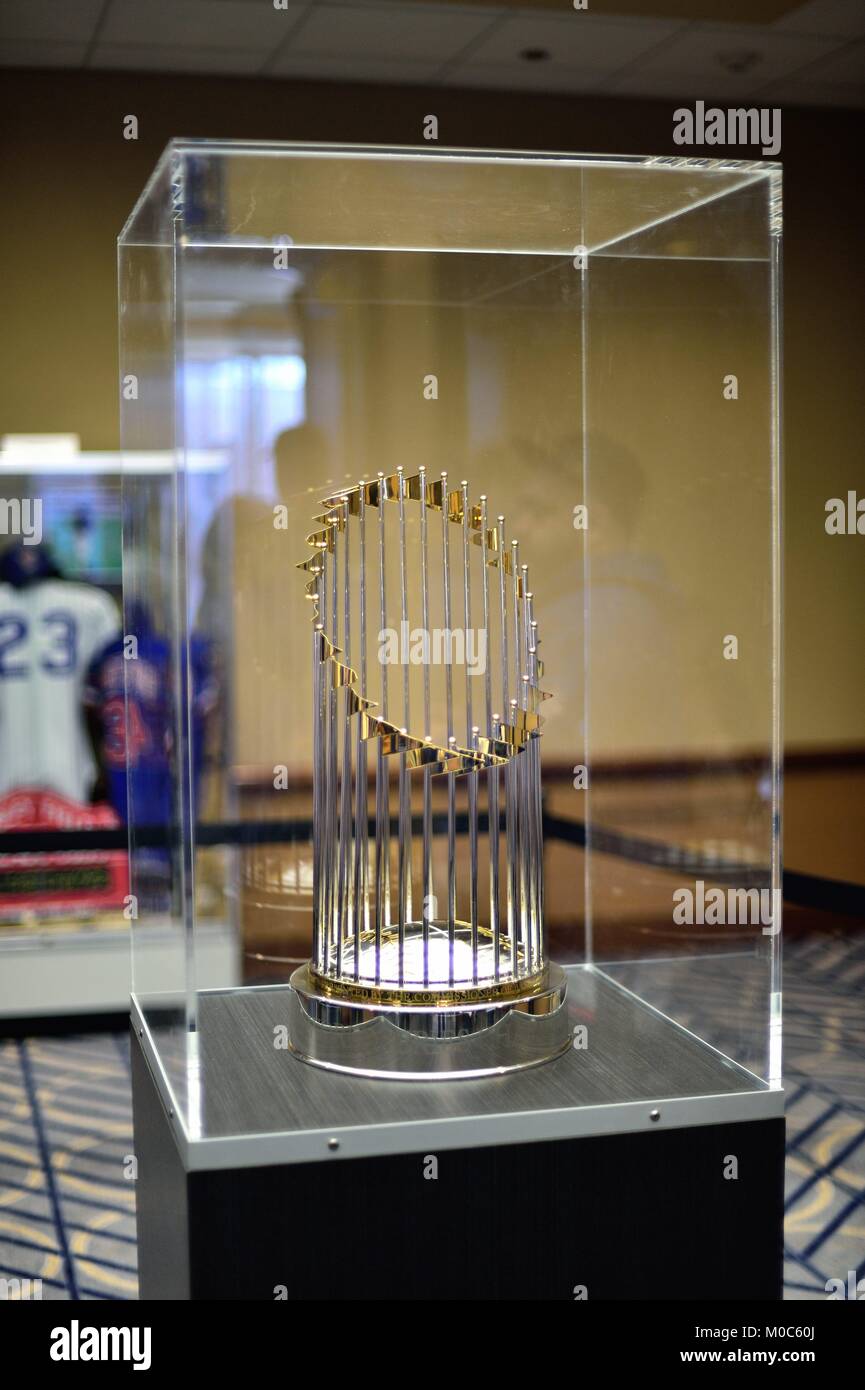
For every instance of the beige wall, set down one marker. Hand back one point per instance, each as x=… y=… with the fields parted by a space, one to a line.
x=69 y=180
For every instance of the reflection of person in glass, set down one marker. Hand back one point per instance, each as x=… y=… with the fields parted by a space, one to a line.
x=254 y=612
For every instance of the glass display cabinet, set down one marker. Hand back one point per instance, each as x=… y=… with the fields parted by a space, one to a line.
x=452 y=666
x=64 y=943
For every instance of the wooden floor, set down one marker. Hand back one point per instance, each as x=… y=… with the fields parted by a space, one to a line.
x=824 y=822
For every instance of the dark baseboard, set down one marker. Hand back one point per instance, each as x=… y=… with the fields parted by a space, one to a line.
x=64 y=1025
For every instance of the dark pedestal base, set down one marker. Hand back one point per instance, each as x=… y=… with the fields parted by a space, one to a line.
x=644 y=1215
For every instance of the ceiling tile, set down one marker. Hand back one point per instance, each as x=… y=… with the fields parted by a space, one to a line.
x=28 y=54
x=424 y=33
x=844 y=65
x=700 y=57
x=684 y=85
x=155 y=58
x=350 y=69
x=226 y=24
x=522 y=76
x=578 y=39
x=798 y=92
x=61 y=21
x=837 y=18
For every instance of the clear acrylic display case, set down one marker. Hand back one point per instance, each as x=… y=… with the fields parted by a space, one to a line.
x=592 y=344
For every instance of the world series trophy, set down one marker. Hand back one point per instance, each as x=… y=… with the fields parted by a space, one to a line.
x=429 y=952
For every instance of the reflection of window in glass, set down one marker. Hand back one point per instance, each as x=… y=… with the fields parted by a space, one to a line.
x=239 y=405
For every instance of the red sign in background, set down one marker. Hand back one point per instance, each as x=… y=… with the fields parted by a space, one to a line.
x=53 y=882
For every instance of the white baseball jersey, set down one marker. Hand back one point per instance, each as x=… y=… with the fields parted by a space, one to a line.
x=50 y=631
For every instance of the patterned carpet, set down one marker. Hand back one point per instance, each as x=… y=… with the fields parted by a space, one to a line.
x=67 y=1212
x=824 y=1229
x=67 y=1204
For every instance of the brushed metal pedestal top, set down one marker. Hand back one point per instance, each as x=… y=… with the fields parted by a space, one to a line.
x=250 y=1086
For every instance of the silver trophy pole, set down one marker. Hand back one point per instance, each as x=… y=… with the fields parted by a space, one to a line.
x=426 y=907
x=471 y=732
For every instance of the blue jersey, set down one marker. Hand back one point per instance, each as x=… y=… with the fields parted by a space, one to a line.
x=134 y=699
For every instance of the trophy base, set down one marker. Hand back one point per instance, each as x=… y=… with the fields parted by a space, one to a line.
x=427 y=1043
